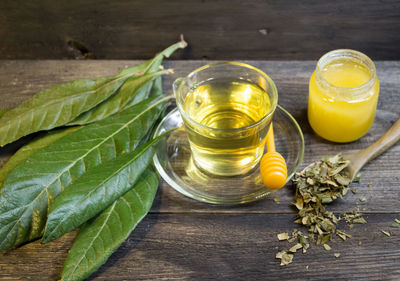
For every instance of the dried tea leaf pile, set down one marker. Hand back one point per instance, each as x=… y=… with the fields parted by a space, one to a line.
x=319 y=184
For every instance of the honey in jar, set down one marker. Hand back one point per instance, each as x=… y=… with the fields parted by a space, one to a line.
x=343 y=94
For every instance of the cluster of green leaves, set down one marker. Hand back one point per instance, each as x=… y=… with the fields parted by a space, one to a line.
x=90 y=167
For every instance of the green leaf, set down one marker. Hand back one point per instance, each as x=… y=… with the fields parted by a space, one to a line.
x=2 y=111
x=156 y=89
x=63 y=103
x=117 y=102
x=56 y=106
x=150 y=66
x=153 y=64
x=96 y=190
x=33 y=185
x=100 y=237
x=24 y=152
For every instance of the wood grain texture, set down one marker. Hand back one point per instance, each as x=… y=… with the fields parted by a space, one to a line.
x=224 y=29
x=221 y=247
x=186 y=240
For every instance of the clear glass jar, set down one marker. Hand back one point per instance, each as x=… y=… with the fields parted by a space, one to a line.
x=343 y=94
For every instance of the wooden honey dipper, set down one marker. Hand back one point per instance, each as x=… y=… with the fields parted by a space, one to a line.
x=273 y=166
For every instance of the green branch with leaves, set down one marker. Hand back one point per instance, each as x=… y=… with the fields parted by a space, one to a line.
x=89 y=166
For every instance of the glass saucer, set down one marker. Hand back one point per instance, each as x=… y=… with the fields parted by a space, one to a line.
x=174 y=162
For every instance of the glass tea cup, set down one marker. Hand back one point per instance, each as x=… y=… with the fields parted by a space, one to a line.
x=226 y=109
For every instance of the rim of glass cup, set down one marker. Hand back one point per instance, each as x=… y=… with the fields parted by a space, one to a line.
x=351 y=54
x=274 y=95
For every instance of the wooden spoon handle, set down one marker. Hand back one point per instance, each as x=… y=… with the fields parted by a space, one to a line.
x=381 y=145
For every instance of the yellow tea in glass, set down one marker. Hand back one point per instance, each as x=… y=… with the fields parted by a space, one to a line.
x=226 y=108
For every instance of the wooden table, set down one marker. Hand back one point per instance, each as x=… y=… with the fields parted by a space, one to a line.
x=185 y=239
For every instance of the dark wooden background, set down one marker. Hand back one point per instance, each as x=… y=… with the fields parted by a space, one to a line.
x=218 y=29
x=181 y=239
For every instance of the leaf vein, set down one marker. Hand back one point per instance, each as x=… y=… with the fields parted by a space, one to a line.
x=111 y=208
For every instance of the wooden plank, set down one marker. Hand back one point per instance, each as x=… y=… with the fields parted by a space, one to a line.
x=225 y=29
x=186 y=240
x=221 y=247
x=21 y=79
